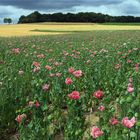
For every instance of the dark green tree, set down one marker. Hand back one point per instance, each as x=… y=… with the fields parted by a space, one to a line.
x=76 y=17
x=7 y=20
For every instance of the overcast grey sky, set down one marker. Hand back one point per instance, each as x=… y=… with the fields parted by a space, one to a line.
x=16 y=8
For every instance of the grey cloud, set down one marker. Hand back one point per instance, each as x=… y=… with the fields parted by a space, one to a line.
x=3 y=13
x=16 y=8
x=132 y=7
x=55 y=4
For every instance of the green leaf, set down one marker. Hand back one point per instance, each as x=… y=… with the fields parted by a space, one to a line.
x=132 y=134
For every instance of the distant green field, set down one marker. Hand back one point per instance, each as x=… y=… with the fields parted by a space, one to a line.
x=130 y=24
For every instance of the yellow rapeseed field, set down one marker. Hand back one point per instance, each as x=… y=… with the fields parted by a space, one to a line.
x=56 y=28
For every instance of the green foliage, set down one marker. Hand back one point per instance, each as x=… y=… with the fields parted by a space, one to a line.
x=78 y=17
x=7 y=20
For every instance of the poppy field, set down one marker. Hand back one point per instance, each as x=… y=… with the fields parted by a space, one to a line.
x=82 y=86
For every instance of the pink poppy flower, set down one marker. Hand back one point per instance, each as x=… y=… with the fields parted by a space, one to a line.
x=96 y=132
x=77 y=73
x=101 y=108
x=37 y=104
x=98 y=94
x=113 y=121
x=130 y=89
x=129 y=51
x=74 y=95
x=68 y=81
x=71 y=70
x=41 y=56
x=48 y=67
x=137 y=67
x=56 y=64
x=19 y=118
x=58 y=74
x=16 y=50
x=36 y=69
x=129 y=61
x=128 y=123
x=77 y=53
x=36 y=64
x=45 y=87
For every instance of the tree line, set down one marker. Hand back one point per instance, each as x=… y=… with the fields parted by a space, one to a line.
x=78 y=17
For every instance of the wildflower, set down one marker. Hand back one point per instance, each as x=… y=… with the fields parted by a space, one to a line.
x=16 y=50
x=19 y=118
x=37 y=104
x=101 y=108
x=98 y=94
x=74 y=95
x=77 y=73
x=137 y=67
x=45 y=87
x=68 y=81
x=48 y=67
x=129 y=61
x=128 y=123
x=130 y=88
x=36 y=69
x=77 y=53
x=71 y=70
x=58 y=74
x=129 y=51
x=41 y=56
x=113 y=121
x=36 y=64
x=96 y=132
x=56 y=64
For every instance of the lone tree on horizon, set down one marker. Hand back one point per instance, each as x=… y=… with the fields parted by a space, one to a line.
x=7 y=20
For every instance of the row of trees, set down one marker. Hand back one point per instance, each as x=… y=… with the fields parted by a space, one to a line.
x=78 y=17
x=7 y=20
